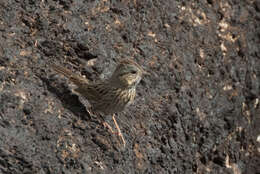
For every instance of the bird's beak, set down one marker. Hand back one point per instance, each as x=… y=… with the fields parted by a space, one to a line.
x=145 y=72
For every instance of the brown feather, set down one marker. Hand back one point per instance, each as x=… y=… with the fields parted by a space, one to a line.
x=107 y=96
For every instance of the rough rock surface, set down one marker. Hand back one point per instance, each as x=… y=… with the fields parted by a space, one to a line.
x=197 y=112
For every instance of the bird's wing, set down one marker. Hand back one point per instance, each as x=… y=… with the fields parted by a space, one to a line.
x=78 y=80
x=88 y=92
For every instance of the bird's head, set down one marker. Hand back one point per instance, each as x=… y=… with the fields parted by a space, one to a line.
x=127 y=74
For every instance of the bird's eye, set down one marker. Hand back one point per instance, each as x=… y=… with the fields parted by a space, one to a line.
x=133 y=72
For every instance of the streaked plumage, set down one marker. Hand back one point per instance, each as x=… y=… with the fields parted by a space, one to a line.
x=112 y=95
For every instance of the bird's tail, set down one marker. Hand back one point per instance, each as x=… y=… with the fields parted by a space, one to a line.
x=78 y=80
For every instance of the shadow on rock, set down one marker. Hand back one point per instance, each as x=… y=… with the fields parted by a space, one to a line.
x=69 y=100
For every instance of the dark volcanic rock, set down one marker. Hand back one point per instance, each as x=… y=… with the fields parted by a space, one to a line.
x=197 y=112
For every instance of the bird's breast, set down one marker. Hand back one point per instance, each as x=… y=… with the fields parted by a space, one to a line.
x=127 y=96
x=114 y=100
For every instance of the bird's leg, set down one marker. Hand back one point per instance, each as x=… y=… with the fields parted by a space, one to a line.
x=90 y=113
x=105 y=124
x=119 y=131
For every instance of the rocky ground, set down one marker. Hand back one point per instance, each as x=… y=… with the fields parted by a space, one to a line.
x=197 y=112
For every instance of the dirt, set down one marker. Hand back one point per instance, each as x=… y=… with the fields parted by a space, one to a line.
x=197 y=112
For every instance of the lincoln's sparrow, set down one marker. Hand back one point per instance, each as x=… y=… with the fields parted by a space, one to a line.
x=112 y=95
